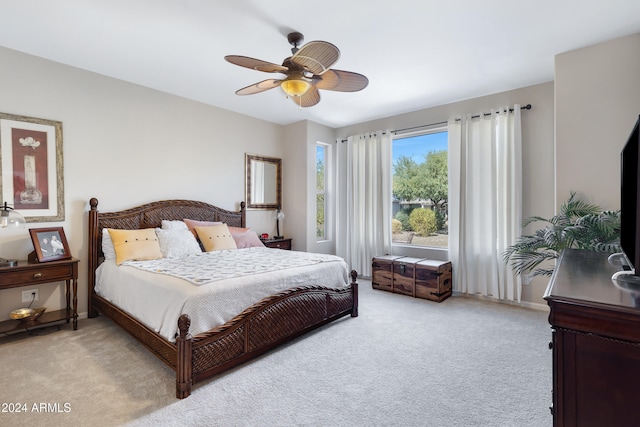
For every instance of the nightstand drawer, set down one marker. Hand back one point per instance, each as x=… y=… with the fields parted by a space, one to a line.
x=278 y=244
x=36 y=275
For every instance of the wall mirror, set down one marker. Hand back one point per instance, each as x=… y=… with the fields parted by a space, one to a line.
x=263 y=182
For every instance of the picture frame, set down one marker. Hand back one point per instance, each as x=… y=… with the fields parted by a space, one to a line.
x=31 y=167
x=263 y=182
x=49 y=244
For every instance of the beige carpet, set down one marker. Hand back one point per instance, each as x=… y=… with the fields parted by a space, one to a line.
x=404 y=362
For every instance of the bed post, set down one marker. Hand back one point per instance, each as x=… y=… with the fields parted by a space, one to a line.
x=243 y=214
x=354 y=293
x=184 y=362
x=93 y=255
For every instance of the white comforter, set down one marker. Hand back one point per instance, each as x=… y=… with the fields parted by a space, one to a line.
x=213 y=287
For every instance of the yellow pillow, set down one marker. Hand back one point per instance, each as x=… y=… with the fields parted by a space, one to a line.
x=216 y=237
x=135 y=245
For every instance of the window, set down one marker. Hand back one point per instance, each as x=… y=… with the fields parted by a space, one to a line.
x=321 y=186
x=420 y=189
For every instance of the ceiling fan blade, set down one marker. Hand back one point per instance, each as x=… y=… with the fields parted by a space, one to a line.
x=256 y=64
x=309 y=99
x=259 y=87
x=316 y=56
x=342 y=81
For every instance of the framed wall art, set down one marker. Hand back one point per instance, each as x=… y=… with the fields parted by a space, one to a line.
x=32 y=167
x=50 y=244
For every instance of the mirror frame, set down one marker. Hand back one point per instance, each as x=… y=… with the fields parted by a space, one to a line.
x=249 y=182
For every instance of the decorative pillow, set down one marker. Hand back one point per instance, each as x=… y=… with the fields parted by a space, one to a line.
x=135 y=245
x=174 y=225
x=192 y=224
x=215 y=237
x=248 y=239
x=237 y=230
x=107 y=245
x=176 y=243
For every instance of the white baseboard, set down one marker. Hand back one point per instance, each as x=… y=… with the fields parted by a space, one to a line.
x=523 y=304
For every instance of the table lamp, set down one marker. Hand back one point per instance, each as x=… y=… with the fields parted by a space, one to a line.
x=10 y=218
x=279 y=216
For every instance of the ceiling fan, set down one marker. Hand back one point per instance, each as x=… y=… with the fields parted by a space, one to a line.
x=307 y=70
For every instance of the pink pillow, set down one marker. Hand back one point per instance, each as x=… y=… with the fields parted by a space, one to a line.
x=247 y=239
x=238 y=230
x=192 y=224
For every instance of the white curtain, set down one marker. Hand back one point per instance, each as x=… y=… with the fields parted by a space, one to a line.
x=363 y=202
x=485 y=201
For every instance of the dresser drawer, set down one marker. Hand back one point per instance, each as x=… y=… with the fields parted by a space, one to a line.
x=42 y=274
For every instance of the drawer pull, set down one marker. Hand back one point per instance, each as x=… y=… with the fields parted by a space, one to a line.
x=37 y=275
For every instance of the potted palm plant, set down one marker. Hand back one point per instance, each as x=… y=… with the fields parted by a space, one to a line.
x=578 y=225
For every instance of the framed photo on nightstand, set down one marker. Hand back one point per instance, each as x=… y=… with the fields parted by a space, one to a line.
x=50 y=244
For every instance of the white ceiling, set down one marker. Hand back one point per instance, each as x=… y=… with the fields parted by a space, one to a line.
x=416 y=54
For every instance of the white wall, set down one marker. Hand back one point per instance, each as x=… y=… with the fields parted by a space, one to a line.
x=299 y=190
x=127 y=145
x=597 y=104
x=294 y=186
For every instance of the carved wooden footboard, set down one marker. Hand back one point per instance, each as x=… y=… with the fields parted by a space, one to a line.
x=259 y=328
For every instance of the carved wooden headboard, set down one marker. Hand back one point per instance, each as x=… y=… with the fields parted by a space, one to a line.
x=150 y=215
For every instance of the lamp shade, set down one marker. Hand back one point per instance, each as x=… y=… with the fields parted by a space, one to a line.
x=295 y=87
x=10 y=218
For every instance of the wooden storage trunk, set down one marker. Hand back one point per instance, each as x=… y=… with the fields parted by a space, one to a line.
x=433 y=280
x=382 y=272
x=420 y=278
x=404 y=275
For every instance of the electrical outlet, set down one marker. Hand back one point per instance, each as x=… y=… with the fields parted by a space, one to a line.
x=27 y=296
x=526 y=279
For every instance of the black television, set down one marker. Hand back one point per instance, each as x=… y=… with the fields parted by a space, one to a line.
x=630 y=211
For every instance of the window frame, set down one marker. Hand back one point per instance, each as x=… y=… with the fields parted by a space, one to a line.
x=441 y=128
x=326 y=192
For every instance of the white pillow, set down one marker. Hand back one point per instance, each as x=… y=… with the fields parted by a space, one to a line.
x=173 y=225
x=176 y=243
x=107 y=245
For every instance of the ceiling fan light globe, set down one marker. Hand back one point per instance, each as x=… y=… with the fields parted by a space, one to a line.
x=294 y=87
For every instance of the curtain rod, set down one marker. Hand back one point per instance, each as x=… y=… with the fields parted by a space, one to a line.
x=524 y=107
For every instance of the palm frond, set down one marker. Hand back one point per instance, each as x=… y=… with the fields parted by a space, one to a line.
x=528 y=261
x=532 y=219
x=575 y=207
x=542 y=272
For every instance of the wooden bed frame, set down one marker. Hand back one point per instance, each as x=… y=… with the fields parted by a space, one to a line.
x=259 y=328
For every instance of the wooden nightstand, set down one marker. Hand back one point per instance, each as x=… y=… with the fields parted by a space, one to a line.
x=278 y=243
x=29 y=274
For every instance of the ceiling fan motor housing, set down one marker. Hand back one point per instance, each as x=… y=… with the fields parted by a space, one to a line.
x=295 y=39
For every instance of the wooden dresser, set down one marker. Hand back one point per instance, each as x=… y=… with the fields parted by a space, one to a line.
x=596 y=343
